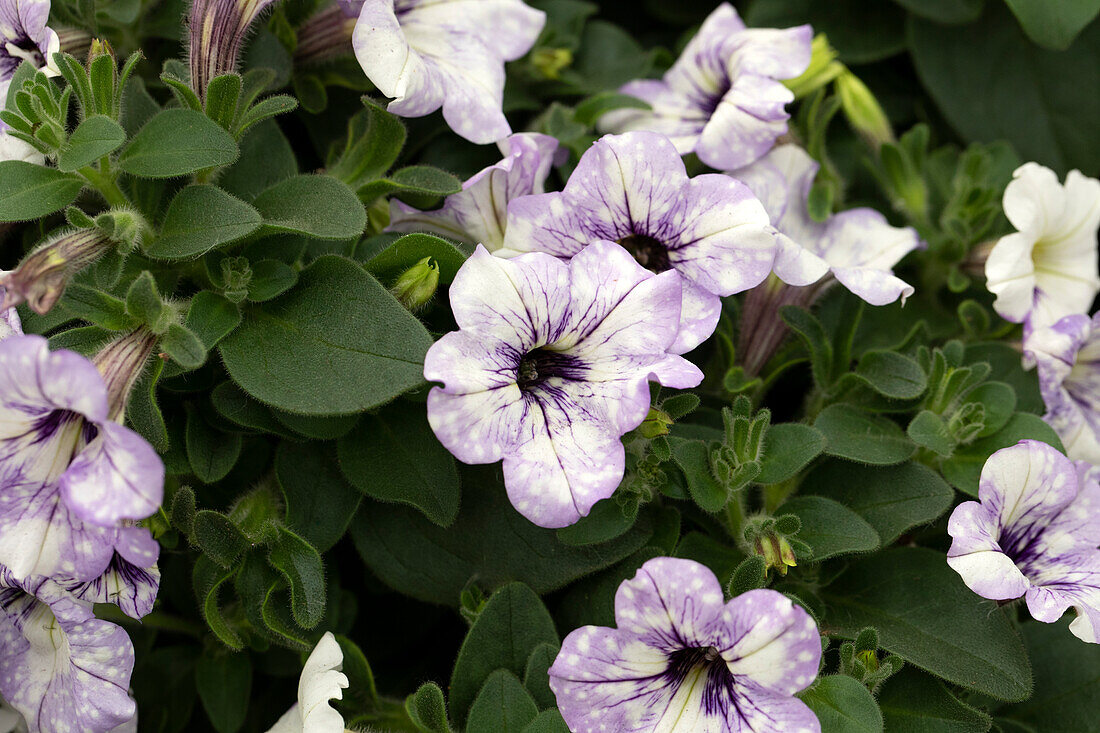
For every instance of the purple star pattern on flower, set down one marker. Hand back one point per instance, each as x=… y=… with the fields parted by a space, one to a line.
x=450 y=53
x=633 y=189
x=682 y=660
x=550 y=368
x=478 y=214
x=721 y=99
x=1034 y=533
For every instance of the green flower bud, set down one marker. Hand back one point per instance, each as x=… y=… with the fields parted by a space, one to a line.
x=416 y=286
x=548 y=62
x=863 y=110
x=237 y=276
x=657 y=422
x=823 y=69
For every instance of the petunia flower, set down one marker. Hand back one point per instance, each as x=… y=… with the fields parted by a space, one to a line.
x=1048 y=268
x=60 y=666
x=684 y=660
x=478 y=214
x=321 y=681
x=1033 y=534
x=721 y=99
x=857 y=248
x=216 y=33
x=428 y=54
x=550 y=368
x=70 y=474
x=633 y=189
x=24 y=36
x=1067 y=355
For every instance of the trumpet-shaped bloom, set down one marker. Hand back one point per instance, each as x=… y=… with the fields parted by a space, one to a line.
x=321 y=681
x=721 y=99
x=1067 y=355
x=478 y=214
x=550 y=368
x=68 y=474
x=858 y=247
x=428 y=54
x=60 y=666
x=683 y=660
x=1048 y=268
x=24 y=36
x=633 y=189
x=1034 y=533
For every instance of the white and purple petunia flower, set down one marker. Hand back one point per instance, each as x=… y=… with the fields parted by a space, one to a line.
x=721 y=99
x=550 y=367
x=633 y=189
x=428 y=54
x=683 y=660
x=60 y=666
x=70 y=476
x=478 y=214
x=321 y=682
x=24 y=36
x=1048 y=268
x=1067 y=355
x=1033 y=534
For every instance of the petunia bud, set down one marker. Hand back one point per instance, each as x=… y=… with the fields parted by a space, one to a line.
x=42 y=276
x=823 y=69
x=863 y=110
x=325 y=35
x=549 y=62
x=122 y=363
x=217 y=32
x=416 y=286
x=657 y=422
x=776 y=551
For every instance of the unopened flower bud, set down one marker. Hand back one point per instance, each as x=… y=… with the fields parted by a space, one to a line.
x=549 y=62
x=217 y=32
x=237 y=275
x=657 y=422
x=823 y=69
x=122 y=363
x=863 y=110
x=258 y=514
x=325 y=35
x=99 y=47
x=42 y=276
x=416 y=286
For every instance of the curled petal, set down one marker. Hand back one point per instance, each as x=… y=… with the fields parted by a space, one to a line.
x=117 y=476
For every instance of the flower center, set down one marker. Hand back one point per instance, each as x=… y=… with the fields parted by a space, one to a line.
x=649 y=252
x=705 y=666
x=27 y=50
x=540 y=365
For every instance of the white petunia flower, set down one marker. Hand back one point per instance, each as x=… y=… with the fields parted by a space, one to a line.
x=321 y=682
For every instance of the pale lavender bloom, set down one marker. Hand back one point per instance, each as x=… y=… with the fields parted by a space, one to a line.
x=478 y=214
x=60 y=666
x=721 y=99
x=1048 y=268
x=428 y=54
x=550 y=368
x=633 y=189
x=1035 y=534
x=683 y=660
x=24 y=36
x=69 y=475
x=1067 y=355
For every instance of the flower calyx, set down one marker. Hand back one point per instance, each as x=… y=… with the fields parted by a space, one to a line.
x=860 y=659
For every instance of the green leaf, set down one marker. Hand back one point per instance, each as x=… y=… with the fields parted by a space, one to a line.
x=270 y=279
x=964 y=468
x=1050 y=116
x=375 y=138
x=222 y=94
x=536 y=678
x=319 y=428
x=502 y=705
x=266 y=158
x=224 y=682
x=891 y=499
x=391 y=262
x=185 y=348
x=301 y=566
x=208 y=579
x=200 y=218
x=914 y=702
x=316 y=206
x=211 y=317
x=233 y=404
x=548 y=721
x=607 y=520
x=860 y=436
x=512 y=624
x=336 y=343
x=1054 y=23
x=29 y=191
x=143 y=301
x=98 y=307
x=830 y=528
x=93 y=138
x=999 y=401
x=929 y=430
x=877 y=35
x=1007 y=367
x=394 y=456
x=417 y=185
x=211 y=452
x=788 y=448
x=427 y=709
x=319 y=501
x=949 y=12
x=926 y=615
x=843 y=705
x=175 y=143
x=809 y=329
x=143 y=413
x=693 y=458
x=264 y=110
x=892 y=375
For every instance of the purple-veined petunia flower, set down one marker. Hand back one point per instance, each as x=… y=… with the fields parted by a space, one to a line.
x=721 y=99
x=1048 y=268
x=60 y=666
x=217 y=30
x=321 y=681
x=857 y=248
x=550 y=368
x=683 y=660
x=428 y=54
x=633 y=189
x=24 y=36
x=478 y=214
x=1067 y=355
x=69 y=474
x=1033 y=534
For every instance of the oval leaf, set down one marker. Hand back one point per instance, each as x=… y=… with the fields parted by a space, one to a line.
x=29 y=191
x=91 y=140
x=175 y=143
x=316 y=206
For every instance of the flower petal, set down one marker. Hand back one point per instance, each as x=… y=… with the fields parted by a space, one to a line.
x=478 y=427
x=117 y=476
x=766 y=638
x=671 y=604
